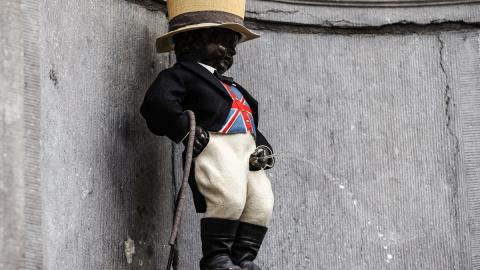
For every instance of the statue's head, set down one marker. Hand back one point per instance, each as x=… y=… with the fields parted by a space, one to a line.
x=211 y=46
x=188 y=15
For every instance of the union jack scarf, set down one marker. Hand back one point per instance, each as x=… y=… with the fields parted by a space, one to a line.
x=240 y=118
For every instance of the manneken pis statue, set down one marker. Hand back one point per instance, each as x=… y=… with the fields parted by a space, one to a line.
x=227 y=185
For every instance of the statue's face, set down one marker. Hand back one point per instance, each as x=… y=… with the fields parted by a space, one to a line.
x=220 y=49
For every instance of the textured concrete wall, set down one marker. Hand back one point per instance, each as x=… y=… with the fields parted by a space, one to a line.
x=32 y=114
x=382 y=118
x=389 y=124
x=106 y=180
x=12 y=245
x=20 y=195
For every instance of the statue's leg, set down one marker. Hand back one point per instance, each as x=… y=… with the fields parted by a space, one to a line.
x=254 y=220
x=247 y=243
x=259 y=204
x=218 y=236
x=221 y=175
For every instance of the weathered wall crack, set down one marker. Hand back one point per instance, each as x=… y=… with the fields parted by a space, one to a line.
x=332 y=28
x=272 y=11
x=450 y=127
x=152 y=5
x=447 y=91
x=449 y=102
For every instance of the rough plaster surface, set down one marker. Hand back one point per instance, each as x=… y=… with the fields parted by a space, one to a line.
x=362 y=13
x=32 y=124
x=391 y=121
x=465 y=77
x=382 y=118
x=106 y=180
x=12 y=244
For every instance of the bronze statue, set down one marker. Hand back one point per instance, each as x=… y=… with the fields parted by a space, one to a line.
x=228 y=181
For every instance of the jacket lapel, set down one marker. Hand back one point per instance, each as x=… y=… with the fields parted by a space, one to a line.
x=204 y=73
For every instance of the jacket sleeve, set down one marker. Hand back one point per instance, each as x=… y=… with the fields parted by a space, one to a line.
x=262 y=141
x=162 y=106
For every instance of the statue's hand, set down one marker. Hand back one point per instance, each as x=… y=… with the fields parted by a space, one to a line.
x=259 y=160
x=201 y=140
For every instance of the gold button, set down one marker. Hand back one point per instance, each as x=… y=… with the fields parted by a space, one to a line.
x=248 y=121
x=236 y=98
x=243 y=110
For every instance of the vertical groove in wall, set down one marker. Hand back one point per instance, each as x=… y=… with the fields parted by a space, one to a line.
x=12 y=186
x=471 y=130
x=33 y=197
x=456 y=64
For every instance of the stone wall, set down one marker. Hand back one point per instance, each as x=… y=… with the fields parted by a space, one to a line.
x=106 y=180
x=12 y=185
x=384 y=120
x=374 y=106
x=381 y=114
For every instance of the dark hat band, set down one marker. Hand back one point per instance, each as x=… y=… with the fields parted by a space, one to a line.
x=197 y=17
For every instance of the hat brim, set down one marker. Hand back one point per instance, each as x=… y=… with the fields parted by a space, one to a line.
x=164 y=43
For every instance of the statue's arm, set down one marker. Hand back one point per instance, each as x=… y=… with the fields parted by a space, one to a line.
x=162 y=107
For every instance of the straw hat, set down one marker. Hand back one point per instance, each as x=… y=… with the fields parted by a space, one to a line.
x=186 y=15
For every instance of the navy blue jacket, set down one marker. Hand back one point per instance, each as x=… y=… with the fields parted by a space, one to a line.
x=189 y=86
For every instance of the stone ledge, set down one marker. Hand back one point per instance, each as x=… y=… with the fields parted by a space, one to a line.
x=353 y=13
x=375 y=3
x=362 y=13
x=391 y=29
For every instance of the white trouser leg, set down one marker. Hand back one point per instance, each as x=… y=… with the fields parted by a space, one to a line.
x=230 y=189
x=259 y=206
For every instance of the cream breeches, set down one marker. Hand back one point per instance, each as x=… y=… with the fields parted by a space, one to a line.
x=230 y=189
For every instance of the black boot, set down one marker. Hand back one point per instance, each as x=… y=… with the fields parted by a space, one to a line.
x=217 y=235
x=247 y=243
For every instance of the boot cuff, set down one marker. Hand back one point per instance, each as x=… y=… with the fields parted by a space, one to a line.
x=218 y=227
x=251 y=232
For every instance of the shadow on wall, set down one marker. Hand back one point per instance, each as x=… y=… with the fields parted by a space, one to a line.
x=138 y=161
